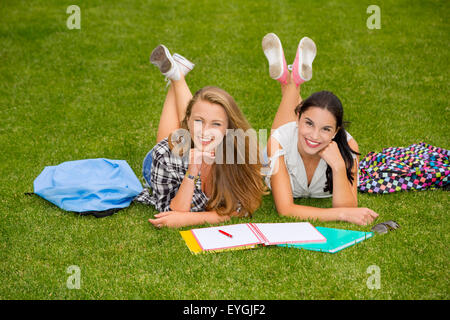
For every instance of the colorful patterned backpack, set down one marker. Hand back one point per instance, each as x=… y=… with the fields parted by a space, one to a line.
x=417 y=167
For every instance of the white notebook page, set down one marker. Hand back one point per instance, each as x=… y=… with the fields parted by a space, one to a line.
x=291 y=232
x=212 y=239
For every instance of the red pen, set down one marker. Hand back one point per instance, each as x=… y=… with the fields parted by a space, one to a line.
x=227 y=234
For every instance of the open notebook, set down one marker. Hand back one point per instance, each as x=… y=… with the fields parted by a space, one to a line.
x=337 y=239
x=249 y=235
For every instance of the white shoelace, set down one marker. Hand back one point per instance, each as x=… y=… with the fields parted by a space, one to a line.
x=168 y=82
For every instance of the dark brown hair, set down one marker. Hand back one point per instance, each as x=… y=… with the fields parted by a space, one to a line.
x=328 y=101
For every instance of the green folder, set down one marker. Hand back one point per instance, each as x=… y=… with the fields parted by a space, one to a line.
x=337 y=239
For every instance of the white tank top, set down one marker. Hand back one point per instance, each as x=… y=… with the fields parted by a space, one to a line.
x=287 y=137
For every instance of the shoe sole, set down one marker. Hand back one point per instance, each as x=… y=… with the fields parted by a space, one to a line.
x=160 y=58
x=307 y=49
x=273 y=51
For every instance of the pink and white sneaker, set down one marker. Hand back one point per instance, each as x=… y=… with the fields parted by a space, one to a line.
x=302 y=67
x=274 y=53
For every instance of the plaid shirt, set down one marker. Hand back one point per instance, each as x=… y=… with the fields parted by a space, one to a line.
x=167 y=174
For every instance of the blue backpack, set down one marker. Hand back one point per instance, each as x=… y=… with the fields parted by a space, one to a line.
x=93 y=186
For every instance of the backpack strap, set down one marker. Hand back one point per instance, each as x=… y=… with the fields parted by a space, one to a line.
x=97 y=214
x=100 y=214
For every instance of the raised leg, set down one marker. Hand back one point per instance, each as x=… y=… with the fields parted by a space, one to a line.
x=289 y=100
x=169 y=120
x=174 y=108
x=183 y=96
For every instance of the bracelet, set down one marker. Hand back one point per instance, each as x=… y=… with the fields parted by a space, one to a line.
x=190 y=176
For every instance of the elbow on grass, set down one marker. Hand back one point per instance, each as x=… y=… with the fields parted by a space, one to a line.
x=291 y=211
x=284 y=210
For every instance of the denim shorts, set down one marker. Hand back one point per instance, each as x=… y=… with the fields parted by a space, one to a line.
x=147 y=168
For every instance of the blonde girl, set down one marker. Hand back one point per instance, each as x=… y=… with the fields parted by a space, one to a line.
x=188 y=186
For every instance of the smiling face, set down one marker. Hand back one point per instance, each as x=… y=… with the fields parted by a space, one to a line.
x=316 y=129
x=207 y=124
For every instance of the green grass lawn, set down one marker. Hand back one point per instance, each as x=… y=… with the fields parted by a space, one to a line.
x=91 y=93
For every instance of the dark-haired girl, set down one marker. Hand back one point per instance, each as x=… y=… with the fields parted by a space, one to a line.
x=309 y=151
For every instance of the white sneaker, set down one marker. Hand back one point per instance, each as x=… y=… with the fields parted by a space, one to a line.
x=183 y=64
x=273 y=50
x=302 y=67
x=162 y=58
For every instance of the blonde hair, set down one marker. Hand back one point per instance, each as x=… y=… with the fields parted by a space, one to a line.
x=228 y=189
